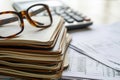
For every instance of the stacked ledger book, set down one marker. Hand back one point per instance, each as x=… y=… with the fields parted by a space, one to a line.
x=36 y=54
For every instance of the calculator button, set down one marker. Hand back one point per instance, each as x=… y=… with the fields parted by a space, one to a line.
x=64 y=15
x=69 y=20
x=68 y=10
x=77 y=18
x=59 y=11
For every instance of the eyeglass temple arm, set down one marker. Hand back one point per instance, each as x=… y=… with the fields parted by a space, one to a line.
x=8 y=20
x=13 y=19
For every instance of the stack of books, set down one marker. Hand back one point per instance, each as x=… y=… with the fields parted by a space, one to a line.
x=36 y=53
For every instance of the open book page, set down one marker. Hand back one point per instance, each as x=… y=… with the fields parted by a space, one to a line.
x=6 y=5
x=33 y=35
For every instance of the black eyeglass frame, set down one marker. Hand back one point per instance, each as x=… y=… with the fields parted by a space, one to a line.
x=24 y=14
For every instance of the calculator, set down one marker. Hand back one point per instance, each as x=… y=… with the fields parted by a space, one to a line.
x=73 y=19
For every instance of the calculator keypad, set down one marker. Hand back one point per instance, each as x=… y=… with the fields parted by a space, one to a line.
x=73 y=19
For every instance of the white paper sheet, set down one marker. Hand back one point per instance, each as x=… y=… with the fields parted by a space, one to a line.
x=102 y=43
x=95 y=45
x=84 y=68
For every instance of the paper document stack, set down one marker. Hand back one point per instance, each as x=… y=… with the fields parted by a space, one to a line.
x=35 y=53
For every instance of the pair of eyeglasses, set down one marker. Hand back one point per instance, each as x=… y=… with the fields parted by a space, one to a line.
x=12 y=24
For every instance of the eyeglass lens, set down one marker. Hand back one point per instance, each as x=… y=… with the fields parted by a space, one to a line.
x=10 y=28
x=41 y=12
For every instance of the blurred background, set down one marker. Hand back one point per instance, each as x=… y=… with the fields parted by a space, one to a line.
x=100 y=11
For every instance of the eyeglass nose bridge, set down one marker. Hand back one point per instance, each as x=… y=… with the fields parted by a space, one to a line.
x=24 y=15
